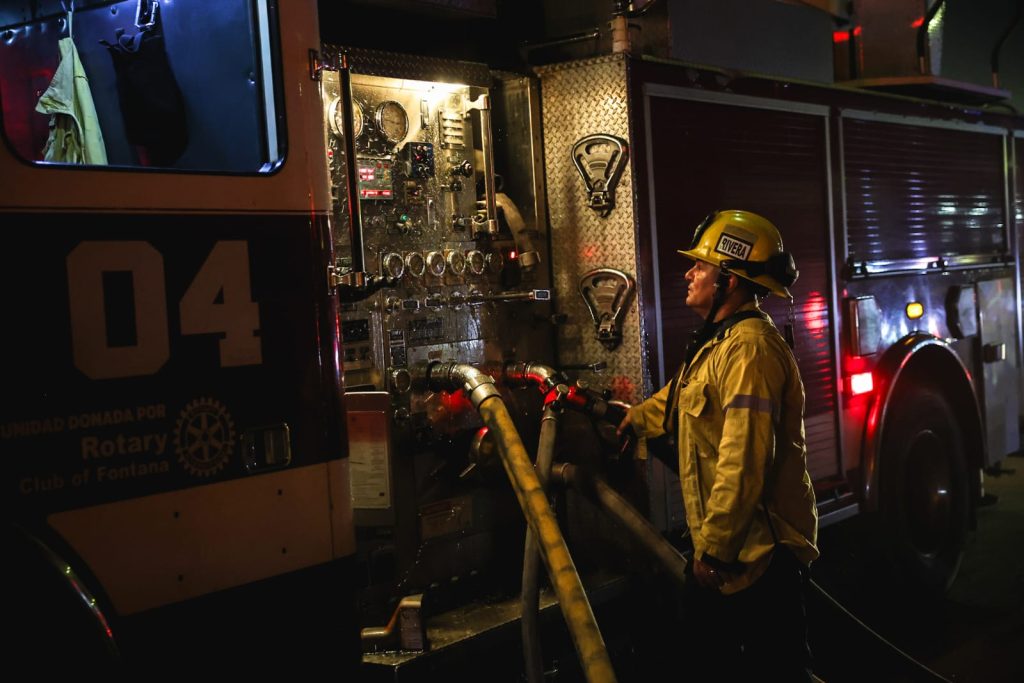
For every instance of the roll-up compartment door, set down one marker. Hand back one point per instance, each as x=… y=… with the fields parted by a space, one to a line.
x=920 y=192
x=709 y=155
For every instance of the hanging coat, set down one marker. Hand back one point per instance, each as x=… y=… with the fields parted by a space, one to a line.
x=75 y=135
x=151 y=101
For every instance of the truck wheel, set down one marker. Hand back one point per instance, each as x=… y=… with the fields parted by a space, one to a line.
x=56 y=628
x=924 y=489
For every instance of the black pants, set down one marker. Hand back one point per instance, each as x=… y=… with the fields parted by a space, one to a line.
x=758 y=634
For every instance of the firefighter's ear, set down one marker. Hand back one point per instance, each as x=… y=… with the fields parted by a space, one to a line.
x=734 y=282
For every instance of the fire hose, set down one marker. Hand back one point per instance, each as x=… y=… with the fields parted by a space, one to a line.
x=572 y=599
x=547 y=379
x=609 y=500
x=578 y=397
x=532 y=655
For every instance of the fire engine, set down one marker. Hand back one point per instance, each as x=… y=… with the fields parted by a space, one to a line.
x=286 y=317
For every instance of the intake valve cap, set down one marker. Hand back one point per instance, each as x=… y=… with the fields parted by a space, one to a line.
x=401 y=380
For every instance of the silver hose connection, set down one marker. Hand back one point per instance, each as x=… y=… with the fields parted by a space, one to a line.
x=452 y=376
x=529 y=257
x=522 y=374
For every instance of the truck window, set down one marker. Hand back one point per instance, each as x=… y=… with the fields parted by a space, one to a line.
x=185 y=85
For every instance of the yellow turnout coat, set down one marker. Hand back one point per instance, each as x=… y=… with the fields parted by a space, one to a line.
x=742 y=455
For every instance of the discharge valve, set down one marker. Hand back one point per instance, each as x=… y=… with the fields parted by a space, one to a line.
x=528 y=295
x=356 y=286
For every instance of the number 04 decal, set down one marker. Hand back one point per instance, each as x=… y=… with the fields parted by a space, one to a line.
x=219 y=300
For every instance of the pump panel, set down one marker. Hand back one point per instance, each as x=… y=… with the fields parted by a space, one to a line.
x=429 y=511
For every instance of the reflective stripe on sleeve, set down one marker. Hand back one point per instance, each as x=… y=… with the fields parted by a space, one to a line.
x=750 y=402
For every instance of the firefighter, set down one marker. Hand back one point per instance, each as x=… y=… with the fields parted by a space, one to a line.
x=736 y=425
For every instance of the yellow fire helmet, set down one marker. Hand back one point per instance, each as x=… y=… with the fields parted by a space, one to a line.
x=745 y=244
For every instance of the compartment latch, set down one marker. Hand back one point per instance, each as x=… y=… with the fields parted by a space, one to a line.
x=606 y=292
x=600 y=158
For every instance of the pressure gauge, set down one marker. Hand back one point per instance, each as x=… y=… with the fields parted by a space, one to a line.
x=475 y=261
x=392 y=121
x=495 y=262
x=435 y=263
x=415 y=263
x=337 y=121
x=456 y=262
x=394 y=265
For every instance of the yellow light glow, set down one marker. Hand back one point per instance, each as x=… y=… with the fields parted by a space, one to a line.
x=914 y=310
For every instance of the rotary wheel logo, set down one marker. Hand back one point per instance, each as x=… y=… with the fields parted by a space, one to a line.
x=204 y=437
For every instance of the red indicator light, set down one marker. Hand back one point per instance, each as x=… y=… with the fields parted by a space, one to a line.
x=512 y=254
x=917 y=23
x=861 y=383
x=840 y=36
x=857 y=31
x=330 y=154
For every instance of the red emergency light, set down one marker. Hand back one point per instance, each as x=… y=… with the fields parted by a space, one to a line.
x=861 y=383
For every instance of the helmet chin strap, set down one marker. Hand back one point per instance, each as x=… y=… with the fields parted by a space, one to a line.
x=707 y=330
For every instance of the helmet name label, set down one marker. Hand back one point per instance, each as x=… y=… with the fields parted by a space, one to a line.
x=734 y=247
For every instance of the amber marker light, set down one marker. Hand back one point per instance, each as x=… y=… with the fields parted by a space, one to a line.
x=914 y=310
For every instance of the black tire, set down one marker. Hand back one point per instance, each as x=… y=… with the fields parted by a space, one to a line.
x=56 y=629
x=925 y=500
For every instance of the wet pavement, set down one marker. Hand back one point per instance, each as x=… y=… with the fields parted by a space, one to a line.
x=974 y=634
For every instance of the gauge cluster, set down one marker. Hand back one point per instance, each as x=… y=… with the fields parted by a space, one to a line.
x=421 y=195
x=379 y=126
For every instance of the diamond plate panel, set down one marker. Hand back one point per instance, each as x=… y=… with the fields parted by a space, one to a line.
x=581 y=98
x=415 y=67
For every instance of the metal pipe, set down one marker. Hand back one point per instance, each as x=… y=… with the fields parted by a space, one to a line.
x=529 y=257
x=922 y=35
x=487 y=143
x=572 y=599
x=533 y=659
x=522 y=373
x=620 y=34
x=592 y=34
x=609 y=500
x=355 y=220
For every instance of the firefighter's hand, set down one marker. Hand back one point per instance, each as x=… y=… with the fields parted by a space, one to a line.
x=707 y=576
x=625 y=427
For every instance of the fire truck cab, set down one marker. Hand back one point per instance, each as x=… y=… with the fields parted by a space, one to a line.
x=173 y=436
